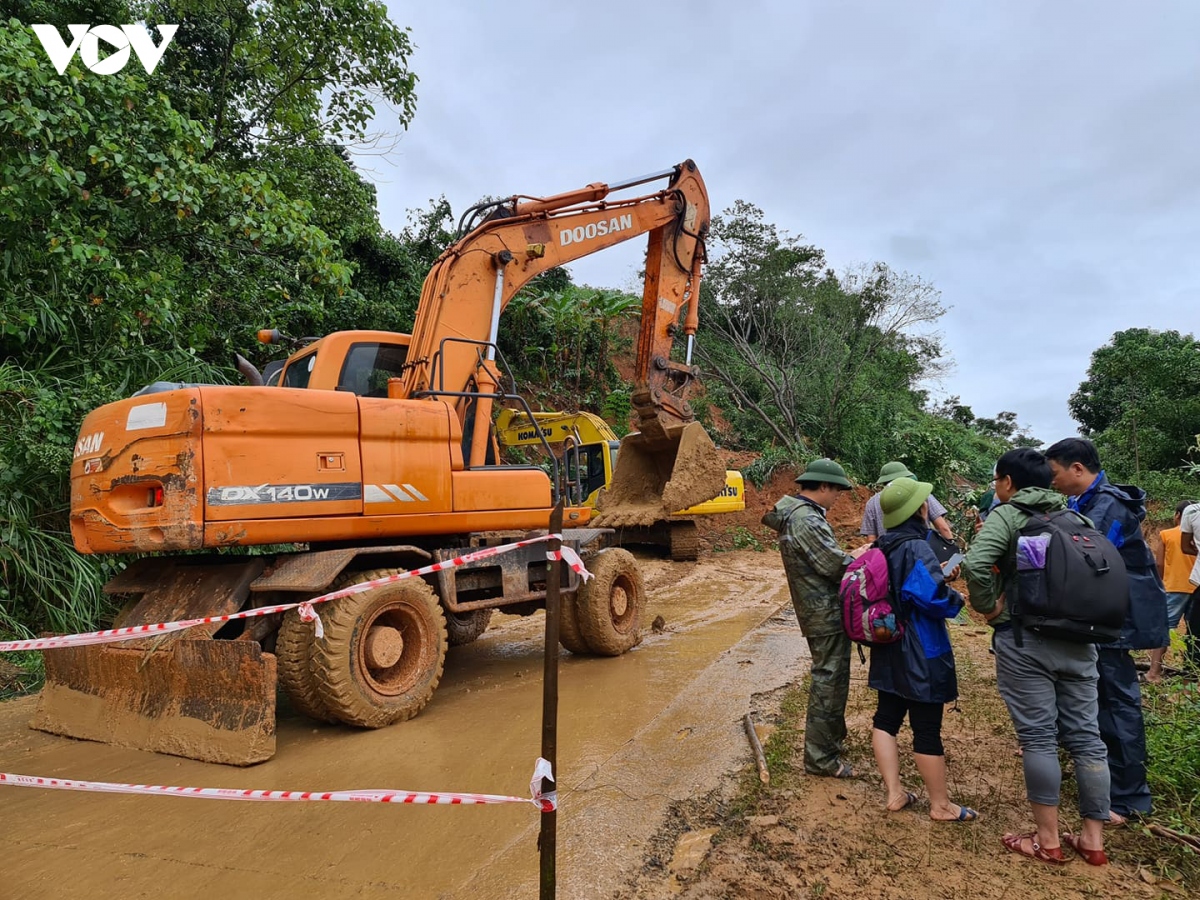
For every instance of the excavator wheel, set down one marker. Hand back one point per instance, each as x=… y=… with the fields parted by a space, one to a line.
x=383 y=652
x=568 y=626
x=611 y=605
x=293 y=662
x=463 y=628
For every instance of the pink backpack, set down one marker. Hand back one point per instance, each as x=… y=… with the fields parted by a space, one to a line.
x=867 y=613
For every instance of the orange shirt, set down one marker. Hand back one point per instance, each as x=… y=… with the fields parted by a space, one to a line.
x=1176 y=566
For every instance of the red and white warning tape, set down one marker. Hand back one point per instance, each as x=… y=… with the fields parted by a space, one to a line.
x=546 y=802
x=307 y=613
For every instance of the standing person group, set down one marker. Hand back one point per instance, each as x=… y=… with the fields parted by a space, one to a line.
x=1061 y=685
x=1117 y=512
x=1049 y=685
x=915 y=677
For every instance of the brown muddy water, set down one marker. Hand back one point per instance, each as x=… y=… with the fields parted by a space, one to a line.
x=660 y=724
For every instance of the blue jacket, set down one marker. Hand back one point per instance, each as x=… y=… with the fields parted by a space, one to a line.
x=1117 y=512
x=919 y=666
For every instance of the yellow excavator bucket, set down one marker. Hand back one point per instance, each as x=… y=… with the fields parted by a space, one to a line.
x=658 y=477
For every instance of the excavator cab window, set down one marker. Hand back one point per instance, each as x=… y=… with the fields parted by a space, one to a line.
x=368 y=367
x=298 y=371
x=590 y=473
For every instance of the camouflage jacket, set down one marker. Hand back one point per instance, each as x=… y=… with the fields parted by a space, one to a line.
x=814 y=563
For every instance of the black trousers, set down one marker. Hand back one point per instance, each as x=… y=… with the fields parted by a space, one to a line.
x=925 y=719
x=1123 y=731
x=1192 y=641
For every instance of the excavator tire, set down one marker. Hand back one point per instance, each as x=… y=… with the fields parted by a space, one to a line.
x=293 y=662
x=568 y=626
x=383 y=652
x=685 y=541
x=463 y=628
x=610 y=606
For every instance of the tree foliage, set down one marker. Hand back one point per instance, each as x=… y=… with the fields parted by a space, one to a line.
x=813 y=359
x=1140 y=401
x=149 y=223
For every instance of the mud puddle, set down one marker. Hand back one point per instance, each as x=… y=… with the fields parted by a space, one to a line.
x=636 y=733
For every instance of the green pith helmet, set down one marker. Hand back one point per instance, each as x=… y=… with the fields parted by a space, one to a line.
x=825 y=471
x=901 y=499
x=893 y=470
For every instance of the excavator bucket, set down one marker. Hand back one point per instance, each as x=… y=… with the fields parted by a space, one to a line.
x=657 y=477
x=183 y=693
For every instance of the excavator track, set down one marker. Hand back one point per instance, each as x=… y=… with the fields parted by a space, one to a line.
x=685 y=541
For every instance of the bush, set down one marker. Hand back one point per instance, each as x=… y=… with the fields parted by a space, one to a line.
x=762 y=469
x=1173 y=748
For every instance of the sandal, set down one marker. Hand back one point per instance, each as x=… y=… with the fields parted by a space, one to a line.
x=1016 y=843
x=844 y=770
x=909 y=799
x=1115 y=820
x=1091 y=857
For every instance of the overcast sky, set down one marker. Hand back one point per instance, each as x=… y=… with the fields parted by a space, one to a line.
x=1038 y=162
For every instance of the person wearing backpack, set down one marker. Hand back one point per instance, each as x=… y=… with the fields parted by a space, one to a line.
x=915 y=674
x=1049 y=683
x=814 y=562
x=1118 y=511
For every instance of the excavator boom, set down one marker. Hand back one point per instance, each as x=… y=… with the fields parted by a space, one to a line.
x=670 y=463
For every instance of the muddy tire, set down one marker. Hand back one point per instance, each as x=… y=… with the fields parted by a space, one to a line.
x=568 y=627
x=685 y=541
x=293 y=663
x=610 y=607
x=383 y=652
x=463 y=628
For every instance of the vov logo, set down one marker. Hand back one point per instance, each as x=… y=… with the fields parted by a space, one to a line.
x=87 y=40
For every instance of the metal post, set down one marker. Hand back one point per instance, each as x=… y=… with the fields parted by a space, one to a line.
x=548 y=837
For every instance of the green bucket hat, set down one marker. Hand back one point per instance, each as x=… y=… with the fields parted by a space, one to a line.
x=893 y=470
x=901 y=499
x=827 y=471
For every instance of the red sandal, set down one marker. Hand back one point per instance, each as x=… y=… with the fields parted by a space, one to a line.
x=1015 y=843
x=1091 y=857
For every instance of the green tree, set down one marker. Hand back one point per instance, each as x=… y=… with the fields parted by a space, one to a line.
x=149 y=223
x=815 y=361
x=1140 y=401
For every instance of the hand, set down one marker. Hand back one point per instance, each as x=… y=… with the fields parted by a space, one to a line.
x=859 y=551
x=953 y=573
x=999 y=609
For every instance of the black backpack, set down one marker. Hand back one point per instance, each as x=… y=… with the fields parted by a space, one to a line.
x=1071 y=582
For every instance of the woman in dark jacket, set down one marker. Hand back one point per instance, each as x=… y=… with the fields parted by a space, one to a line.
x=915 y=675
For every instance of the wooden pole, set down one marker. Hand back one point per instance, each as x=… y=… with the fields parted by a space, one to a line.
x=764 y=774
x=548 y=836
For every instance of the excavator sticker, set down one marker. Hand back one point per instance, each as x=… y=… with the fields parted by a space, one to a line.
x=581 y=233
x=283 y=493
x=89 y=444
x=390 y=493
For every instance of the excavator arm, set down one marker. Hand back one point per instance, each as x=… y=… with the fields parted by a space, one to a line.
x=473 y=281
x=670 y=463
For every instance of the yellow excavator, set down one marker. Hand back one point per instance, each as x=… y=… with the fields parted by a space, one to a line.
x=587 y=449
x=374 y=452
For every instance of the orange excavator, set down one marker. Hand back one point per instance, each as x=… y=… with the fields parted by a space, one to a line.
x=373 y=452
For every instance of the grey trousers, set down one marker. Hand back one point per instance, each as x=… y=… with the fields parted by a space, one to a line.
x=1050 y=689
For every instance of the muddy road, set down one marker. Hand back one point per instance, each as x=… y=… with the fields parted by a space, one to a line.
x=635 y=733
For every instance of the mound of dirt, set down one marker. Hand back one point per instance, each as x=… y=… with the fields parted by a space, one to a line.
x=741 y=529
